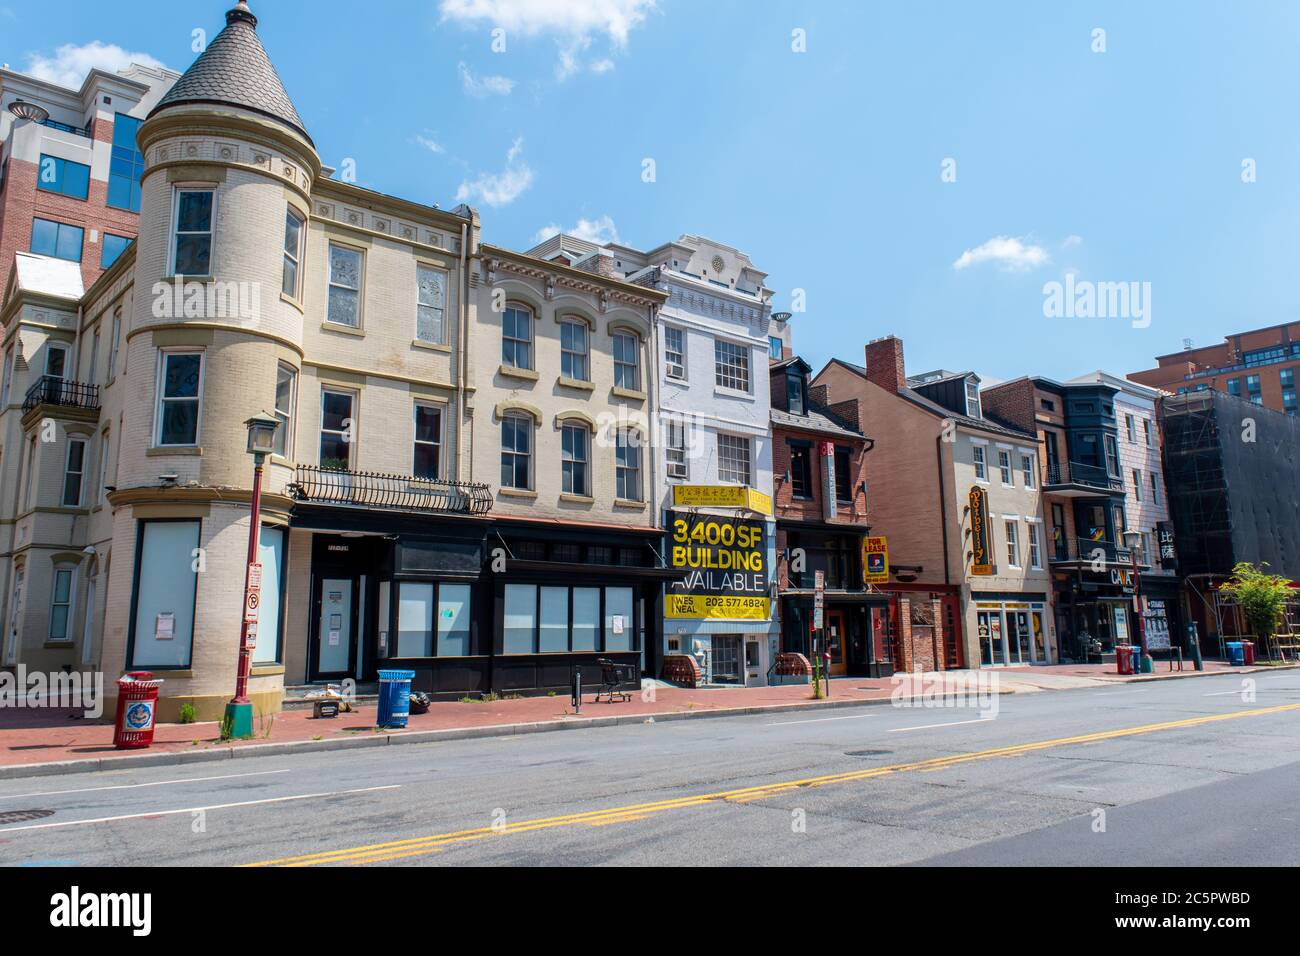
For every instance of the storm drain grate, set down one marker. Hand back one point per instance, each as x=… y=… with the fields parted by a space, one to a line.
x=867 y=753
x=22 y=816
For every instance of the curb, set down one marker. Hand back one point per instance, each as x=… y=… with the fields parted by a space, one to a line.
x=1177 y=675
x=172 y=758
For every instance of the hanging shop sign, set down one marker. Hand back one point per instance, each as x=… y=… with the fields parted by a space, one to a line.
x=724 y=568
x=875 y=560
x=722 y=496
x=1168 y=553
x=981 y=553
x=829 y=503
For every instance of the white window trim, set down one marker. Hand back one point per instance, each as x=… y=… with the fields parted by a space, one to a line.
x=531 y=454
x=441 y=443
x=51 y=347
x=355 y=395
x=1015 y=523
x=72 y=605
x=615 y=335
x=1009 y=470
x=177 y=189
x=570 y=319
x=67 y=471
x=749 y=444
x=531 y=340
x=637 y=444
x=158 y=397
x=360 y=290
x=297 y=257
x=680 y=424
x=684 y=376
x=446 y=296
x=291 y=422
x=975 y=463
x=748 y=349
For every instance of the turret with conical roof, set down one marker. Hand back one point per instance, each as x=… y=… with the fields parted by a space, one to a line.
x=235 y=70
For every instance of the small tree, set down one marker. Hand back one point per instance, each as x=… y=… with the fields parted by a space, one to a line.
x=1261 y=596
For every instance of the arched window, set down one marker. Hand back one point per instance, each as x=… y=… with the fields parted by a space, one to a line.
x=627 y=464
x=517 y=336
x=516 y=450
x=576 y=458
x=575 y=348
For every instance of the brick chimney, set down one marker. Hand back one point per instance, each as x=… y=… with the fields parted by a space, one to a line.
x=884 y=362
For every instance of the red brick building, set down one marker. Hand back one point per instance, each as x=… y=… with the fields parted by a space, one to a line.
x=819 y=463
x=1260 y=366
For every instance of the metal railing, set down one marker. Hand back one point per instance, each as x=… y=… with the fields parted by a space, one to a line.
x=1088 y=549
x=364 y=489
x=67 y=128
x=1078 y=473
x=51 y=390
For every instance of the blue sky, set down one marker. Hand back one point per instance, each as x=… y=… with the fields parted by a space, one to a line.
x=825 y=165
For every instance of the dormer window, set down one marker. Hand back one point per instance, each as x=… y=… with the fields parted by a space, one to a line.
x=973 y=398
x=795 y=390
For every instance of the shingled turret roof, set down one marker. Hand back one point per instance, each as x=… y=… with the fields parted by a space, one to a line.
x=234 y=70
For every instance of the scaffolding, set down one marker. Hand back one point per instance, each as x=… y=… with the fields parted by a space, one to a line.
x=1198 y=488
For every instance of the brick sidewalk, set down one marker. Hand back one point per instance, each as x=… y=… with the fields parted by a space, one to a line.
x=43 y=735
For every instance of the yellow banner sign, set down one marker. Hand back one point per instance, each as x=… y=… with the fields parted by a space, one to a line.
x=725 y=607
x=722 y=496
x=875 y=560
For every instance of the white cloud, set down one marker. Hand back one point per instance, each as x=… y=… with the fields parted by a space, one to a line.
x=574 y=23
x=1071 y=241
x=70 y=62
x=480 y=87
x=1011 y=254
x=503 y=188
x=615 y=18
x=432 y=145
x=600 y=231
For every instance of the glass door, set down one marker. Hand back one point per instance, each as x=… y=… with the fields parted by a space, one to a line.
x=835 y=642
x=1018 y=640
x=993 y=649
x=1040 y=639
x=726 y=658
x=335 y=628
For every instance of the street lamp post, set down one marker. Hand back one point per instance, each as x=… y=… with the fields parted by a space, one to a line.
x=1134 y=541
x=239 y=712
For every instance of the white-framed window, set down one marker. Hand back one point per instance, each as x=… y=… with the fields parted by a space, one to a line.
x=286 y=401
x=64 y=587
x=1013 y=544
x=972 y=399
x=431 y=305
x=1035 y=550
x=733 y=459
x=627 y=464
x=675 y=449
x=516 y=450
x=337 y=433
x=1155 y=489
x=1146 y=431
x=115 y=342
x=1004 y=466
x=731 y=365
x=74 y=473
x=980 y=456
x=575 y=454
x=1130 y=429
x=194 y=215
x=427 y=454
x=627 y=363
x=347 y=271
x=775 y=348
x=180 y=386
x=1137 y=484
x=1028 y=469
x=56 y=360
x=517 y=337
x=674 y=352
x=1112 y=457
x=575 y=350
x=293 y=235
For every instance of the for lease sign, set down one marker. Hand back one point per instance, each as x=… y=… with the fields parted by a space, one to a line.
x=724 y=568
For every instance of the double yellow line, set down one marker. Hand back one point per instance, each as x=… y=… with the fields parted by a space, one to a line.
x=421 y=846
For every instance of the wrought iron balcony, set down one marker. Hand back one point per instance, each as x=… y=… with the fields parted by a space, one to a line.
x=50 y=390
x=1090 y=549
x=364 y=489
x=1078 y=474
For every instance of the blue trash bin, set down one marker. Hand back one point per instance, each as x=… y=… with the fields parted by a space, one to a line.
x=394 y=698
x=1236 y=654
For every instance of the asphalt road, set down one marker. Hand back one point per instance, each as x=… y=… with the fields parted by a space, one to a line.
x=1176 y=772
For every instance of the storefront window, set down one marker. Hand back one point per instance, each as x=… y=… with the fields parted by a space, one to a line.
x=586 y=618
x=520 y=618
x=453 y=620
x=554 y=620
x=415 y=620
x=164 y=612
x=618 y=619
x=270 y=546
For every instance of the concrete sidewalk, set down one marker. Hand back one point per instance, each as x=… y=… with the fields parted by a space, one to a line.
x=35 y=741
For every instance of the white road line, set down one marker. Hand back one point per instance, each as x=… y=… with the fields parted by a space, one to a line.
x=1224 y=693
x=895 y=730
x=217 y=806
x=817 y=720
x=133 y=786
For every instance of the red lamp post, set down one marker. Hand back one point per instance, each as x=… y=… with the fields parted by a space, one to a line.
x=239 y=712
x=1134 y=541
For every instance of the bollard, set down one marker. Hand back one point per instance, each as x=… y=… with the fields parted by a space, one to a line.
x=577 y=690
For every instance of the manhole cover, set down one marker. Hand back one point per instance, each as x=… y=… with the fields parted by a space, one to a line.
x=22 y=816
x=867 y=753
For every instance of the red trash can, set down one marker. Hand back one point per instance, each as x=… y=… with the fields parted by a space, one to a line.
x=1124 y=659
x=137 y=700
x=1249 y=648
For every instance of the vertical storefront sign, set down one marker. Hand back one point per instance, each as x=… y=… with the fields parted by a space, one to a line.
x=875 y=560
x=828 y=480
x=981 y=555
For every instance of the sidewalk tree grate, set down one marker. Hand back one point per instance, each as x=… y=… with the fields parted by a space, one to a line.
x=22 y=816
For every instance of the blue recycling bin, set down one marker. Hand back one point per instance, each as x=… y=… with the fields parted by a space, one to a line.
x=1236 y=654
x=394 y=698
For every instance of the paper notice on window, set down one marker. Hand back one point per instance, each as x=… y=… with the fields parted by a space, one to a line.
x=616 y=623
x=164 y=628
x=334 y=638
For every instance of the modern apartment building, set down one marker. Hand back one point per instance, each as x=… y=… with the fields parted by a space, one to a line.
x=70 y=166
x=956 y=493
x=1259 y=366
x=709 y=349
